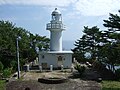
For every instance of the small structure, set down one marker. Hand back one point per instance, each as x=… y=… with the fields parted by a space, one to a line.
x=56 y=56
x=40 y=68
x=26 y=67
x=51 y=68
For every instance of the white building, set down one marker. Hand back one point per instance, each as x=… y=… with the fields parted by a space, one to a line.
x=55 y=56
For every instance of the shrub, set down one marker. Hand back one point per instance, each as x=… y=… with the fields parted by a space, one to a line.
x=6 y=72
x=80 y=69
x=13 y=64
x=117 y=72
x=1 y=66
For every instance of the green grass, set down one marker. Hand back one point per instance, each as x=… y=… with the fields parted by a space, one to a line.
x=2 y=85
x=110 y=85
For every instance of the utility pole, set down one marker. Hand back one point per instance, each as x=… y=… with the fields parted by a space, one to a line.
x=18 y=61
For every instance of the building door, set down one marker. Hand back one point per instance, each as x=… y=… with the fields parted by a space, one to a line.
x=60 y=61
x=44 y=65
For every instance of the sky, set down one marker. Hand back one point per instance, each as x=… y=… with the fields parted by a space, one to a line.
x=33 y=15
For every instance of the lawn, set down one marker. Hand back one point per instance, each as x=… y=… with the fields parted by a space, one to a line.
x=2 y=85
x=110 y=85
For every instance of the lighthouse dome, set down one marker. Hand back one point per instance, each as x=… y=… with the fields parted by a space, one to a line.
x=56 y=12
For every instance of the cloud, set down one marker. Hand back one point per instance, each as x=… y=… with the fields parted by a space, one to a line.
x=84 y=7
x=72 y=15
x=38 y=2
x=8 y=18
x=97 y=7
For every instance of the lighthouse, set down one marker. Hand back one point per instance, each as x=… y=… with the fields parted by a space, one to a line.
x=56 y=56
x=55 y=27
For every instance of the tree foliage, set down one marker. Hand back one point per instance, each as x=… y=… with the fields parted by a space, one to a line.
x=89 y=43
x=28 y=44
x=103 y=45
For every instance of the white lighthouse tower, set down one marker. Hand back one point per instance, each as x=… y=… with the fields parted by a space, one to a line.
x=56 y=27
x=55 y=56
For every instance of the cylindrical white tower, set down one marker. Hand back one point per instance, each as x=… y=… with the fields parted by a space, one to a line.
x=56 y=27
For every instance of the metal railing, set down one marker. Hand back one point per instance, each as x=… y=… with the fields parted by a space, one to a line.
x=55 y=26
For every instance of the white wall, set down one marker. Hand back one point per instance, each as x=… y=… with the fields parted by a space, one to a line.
x=52 y=59
x=56 y=41
x=68 y=60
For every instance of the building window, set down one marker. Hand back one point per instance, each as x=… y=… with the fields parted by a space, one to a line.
x=60 y=58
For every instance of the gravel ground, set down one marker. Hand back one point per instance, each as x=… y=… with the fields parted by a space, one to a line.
x=30 y=82
x=70 y=85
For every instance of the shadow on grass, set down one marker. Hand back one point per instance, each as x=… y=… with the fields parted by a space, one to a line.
x=2 y=84
x=110 y=88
